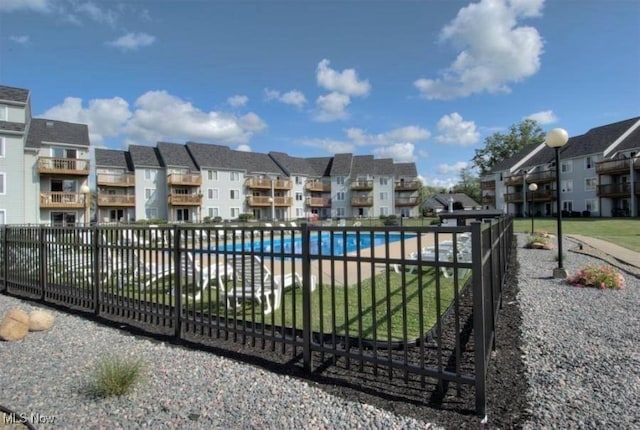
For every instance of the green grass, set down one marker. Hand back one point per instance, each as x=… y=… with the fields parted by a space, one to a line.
x=621 y=231
x=114 y=376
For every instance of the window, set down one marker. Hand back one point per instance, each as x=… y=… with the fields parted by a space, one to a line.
x=3 y=183
x=299 y=212
x=588 y=162
x=340 y=212
x=212 y=193
x=566 y=186
x=235 y=212
x=2 y=147
x=340 y=180
x=340 y=195
x=4 y=113
x=384 y=211
x=567 y=205
x=384 y=195
x=590 y=184
x=213 y=212
x=384 y=181
x=151 y=213
x=566 y=166
x=150 y=174
x=234 y=194
x=591 y=205
x=212 y=175
x=298 y=180
x=298 y=197
x=148 y=193
x=234 y=176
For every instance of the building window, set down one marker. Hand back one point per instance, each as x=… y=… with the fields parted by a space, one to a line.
x=566 y=166
x=150 y=174
x=235 y=212
x=298 y=197
x=384 y=211
x=212 y=193
x=151 y=213
x=234 y=176
x=340 y=180
x=591 y=205
x=299 y=212
x=3 y=183
x=590 y=184
x=298 y=180
x=2 y=147
x=384 y=181
x=148 y=193
x=567 y=186
x=4 y=113
x=340 y=195
x=588 y=162
x=234 y=194
x=384 y=195
x=213 y=212
x=340 y=212
x=212 y=175
x=567 y=205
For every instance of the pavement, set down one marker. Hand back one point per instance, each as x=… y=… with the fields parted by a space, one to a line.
x=624 y=255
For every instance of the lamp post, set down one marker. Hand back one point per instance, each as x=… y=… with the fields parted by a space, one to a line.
x=86 y=191
x=533 y=187
x=556 y=139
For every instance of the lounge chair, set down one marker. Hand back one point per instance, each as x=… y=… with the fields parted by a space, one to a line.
x=203 y=275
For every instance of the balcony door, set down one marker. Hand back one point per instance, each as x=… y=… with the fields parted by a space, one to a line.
x=63 y=218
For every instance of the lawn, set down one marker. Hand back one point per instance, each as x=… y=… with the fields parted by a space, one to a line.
x=621 y=231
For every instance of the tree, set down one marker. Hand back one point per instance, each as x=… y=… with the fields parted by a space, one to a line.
x=469 y=184
x=499 y=147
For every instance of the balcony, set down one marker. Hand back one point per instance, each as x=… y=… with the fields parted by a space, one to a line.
x=362 y=185
x=317 y=186
x=613 y=167
x=318 y=202
x=488 y=185
x=63 y=166
x=121 y=180
x=265 y=201
x=62 y=200
x=542 y=196
x=489 y=200
x=541 y=177
x=513 y=197
x=407 y=185
x=512 y=180
x=120 y=200
x=265 y=184
x=362 y=201
x=406 y=201
x=615 y=190
x=184 y=199
x=193 y=180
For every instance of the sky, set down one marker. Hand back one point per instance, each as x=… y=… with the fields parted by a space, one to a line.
x=422 y=81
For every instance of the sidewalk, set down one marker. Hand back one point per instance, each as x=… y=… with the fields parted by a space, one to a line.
x=625 y=255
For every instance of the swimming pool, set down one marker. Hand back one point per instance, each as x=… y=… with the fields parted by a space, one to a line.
x=326 y=243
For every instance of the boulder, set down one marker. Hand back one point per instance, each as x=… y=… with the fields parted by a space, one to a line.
x=40 y=320
x=14 y=325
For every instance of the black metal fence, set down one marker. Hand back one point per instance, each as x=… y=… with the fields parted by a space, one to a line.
x=406 y=303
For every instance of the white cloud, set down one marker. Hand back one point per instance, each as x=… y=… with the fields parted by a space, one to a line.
x=345 y=82
x=400 y=152
x=105 y=117
x=455 y=131
x=450 y=169
x=243 y=148
x=35 y=5
x=544 y=117
x=410 y=133
x=330 y=145
x=237 y=100
x=156 y=116
x=20 y=40
x=332 y=106
x=494 y=50
x=132 y=41
x=294 y=97
x=103 y=16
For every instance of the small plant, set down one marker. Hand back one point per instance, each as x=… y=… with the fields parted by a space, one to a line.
x=602 y=277
x=115 y=376
x=539 y=241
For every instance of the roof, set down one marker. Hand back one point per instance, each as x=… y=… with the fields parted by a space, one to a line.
x=362 y=165
x=11 y=126
x=405 y=170
x=113 y=158
x=12 y=94
x=321 y=165
x=223 y=157
x=441 y=201
x=384 y=166
x=630 y=142
x=47 y=130
x=507 y=163
x=341 y=165
x=293 y=165
x=144 y=156
x=176 y=155
x=597 y=139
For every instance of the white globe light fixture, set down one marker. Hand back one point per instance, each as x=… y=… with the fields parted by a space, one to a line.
x=556 y=139
x=85 y=190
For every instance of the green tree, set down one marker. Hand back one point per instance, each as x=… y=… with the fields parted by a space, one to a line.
x=501 y=146
x=469 y=184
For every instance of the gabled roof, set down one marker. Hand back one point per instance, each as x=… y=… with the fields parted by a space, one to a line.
x=508 y=163
x=176 y=155
x=362 y=165
x=441 y=201
x=51 y=131
x=597 y=139
x=12 y=94
x=406 y=170
x=113 y=158
x=11 y=126
x=341 y=165
x=223 y=157
x=145 y=156
x=384 y=167
x=293 y=165
x=630 y=142
x=321 y=165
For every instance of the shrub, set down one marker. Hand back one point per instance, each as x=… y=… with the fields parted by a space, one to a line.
x=390 y=220
x=601 y=277
x=435 y=221
x=115 y=377
x=539 y=241
x=244 y=217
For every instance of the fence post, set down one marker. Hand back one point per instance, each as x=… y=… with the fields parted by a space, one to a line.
x=178 y=290
x=42 y=262
x=479 y=320
x=96 y=269
x=5 y=260
x=306 y=298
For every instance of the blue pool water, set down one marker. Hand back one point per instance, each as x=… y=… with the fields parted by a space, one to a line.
x=320 y=244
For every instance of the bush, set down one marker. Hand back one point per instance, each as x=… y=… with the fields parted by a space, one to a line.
x=539 y=241
x=602 y=277
x=435 y=222
x=115 y=377
x=245 y=217
x=390 y=220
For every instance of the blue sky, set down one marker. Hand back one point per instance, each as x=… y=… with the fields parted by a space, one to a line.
x=423 y=81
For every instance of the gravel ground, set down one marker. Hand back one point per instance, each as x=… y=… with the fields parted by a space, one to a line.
x=578 y=349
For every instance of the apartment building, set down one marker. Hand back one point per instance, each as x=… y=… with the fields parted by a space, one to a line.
x=44 y=165
x=115 y=186
x=599 y=176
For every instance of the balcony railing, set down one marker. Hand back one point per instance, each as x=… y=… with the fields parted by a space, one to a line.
x=185 y=199
x=362 y=185
x=610 y=167
x=516 y=179
x=265 y=183
x=189 y=179
x=319 y=202
x=542 y=176
x=121 y=180
x=406 y=201
x=63 y=166
x=542 y=196
x=362 y=201
x=116 y=200
x=489 y=200
x=317 y=186
x=62 y=199
x=615 y=190
x=488 y=185
x=265 y=201
x=513 y=197
x=407 y=185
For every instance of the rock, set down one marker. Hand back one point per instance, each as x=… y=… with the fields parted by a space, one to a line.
x=40 y=320
x=14 y=325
